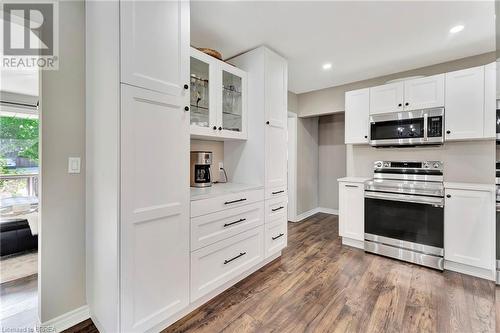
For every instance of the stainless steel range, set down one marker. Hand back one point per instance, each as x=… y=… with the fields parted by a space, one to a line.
x=404 y=212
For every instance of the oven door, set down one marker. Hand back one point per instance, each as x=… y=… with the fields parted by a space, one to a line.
x=498 y=124
x=410 y=219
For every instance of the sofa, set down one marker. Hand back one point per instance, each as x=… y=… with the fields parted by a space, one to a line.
x=16 y=237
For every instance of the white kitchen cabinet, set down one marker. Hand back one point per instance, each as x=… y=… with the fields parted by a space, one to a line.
x=357 y=107
x=214 y=265
x=276 y=210
x=137 y=163
x=469 y=226
x=218 y=99
x=464 y=104
x=490 y=86
x=153 y=37
x=423 y=93
x=154 y=207
x=276 y=124
x=387 y=98
x=351 y=212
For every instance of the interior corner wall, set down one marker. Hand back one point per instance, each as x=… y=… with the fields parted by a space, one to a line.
x=293 y=102
x=307 y=164
x=62 y=229
x=332 y=159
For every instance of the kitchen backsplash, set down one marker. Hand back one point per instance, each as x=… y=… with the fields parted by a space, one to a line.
x=217 y=149
x=468 y=162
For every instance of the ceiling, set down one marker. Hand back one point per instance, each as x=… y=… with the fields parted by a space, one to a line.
x=360 y=39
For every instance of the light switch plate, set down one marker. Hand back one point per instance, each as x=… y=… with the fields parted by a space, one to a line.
x=73 y=164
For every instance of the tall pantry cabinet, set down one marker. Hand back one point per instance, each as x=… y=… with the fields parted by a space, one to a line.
x=262 y=159
x=137 y=163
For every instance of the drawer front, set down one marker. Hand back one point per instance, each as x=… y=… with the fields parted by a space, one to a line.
x=276 y=237
x=276 y=209
x=211 y=228
x=231 y=200
x=216 y=264
x=276 y=192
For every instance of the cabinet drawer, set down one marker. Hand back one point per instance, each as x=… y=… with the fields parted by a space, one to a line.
x=216 y=264
x=231 y=200
x=276 y=209
x=208 y=229
x=276 y=236
x=276 y=192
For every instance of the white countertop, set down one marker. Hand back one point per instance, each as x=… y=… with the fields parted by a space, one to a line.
x=220 y=189
x=354 y=179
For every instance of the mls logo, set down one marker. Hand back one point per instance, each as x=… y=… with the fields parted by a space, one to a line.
x=29 y=34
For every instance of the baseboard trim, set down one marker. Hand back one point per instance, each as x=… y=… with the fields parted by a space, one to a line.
x=470 y=270
x=328 y=211
x=67 y=320
x=313 y=211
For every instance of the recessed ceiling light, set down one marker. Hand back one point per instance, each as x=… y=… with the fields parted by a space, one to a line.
x=456 y=29
x=327 y=66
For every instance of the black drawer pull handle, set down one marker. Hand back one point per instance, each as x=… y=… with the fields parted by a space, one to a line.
x=228 y=224
x=277 y=192
x=280 y=235
x=234 y=201
x=275 y=209
x=234 y=258
x=356 y=186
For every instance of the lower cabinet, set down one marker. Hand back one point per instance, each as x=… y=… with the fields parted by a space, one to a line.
x=216 y=264
x=351 y=212
x=276 y=225
x=469 y=226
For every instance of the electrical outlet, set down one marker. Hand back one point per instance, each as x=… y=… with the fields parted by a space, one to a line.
x=221 y=165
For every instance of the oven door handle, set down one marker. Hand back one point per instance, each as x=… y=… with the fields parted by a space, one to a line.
x=433 y=201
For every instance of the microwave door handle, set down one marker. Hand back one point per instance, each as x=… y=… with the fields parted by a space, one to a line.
x=433 y=201
x=426 y=126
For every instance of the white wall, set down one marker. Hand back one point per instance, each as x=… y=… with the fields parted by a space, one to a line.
x=307 y=164
x=62 y=243
x=332 y=159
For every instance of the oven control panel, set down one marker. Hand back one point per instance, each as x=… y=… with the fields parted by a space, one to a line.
x=436 y=165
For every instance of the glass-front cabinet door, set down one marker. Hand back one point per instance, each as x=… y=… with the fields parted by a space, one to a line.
x=233 y=115
x=217 y=99
x=202 y=94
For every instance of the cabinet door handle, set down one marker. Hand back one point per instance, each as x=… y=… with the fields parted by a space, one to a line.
x=186 y=108
x=234 y=258
x=366 y=136
x=234 y=201
x=277 y=192
x=400 y=105
x=448 y=132
x=186 y=86
x=228 y=224
x=215 y=127
x=267 y=122
x=347 y=185
x=448 y=196
x=220 y=128
x=276 y=209
x=280 y=235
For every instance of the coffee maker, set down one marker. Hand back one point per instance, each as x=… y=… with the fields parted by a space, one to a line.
x=200 y=168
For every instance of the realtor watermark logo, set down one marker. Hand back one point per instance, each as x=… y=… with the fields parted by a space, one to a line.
x=30 y=35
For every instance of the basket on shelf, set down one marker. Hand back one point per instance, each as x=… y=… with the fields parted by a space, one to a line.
x=211 y=52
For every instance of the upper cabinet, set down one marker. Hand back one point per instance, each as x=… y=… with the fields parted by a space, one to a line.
x=357 y=105
x=464 y=108
x=387 y=98
x=424 y=93
x=421 y=93
x=146 y=62
x=490 y=105
x=217 y=98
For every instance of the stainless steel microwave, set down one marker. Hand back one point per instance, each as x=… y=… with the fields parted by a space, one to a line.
x=407 y=128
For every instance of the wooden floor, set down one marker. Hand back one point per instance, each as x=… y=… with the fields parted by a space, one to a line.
x=19 y=304
x=320 y=286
